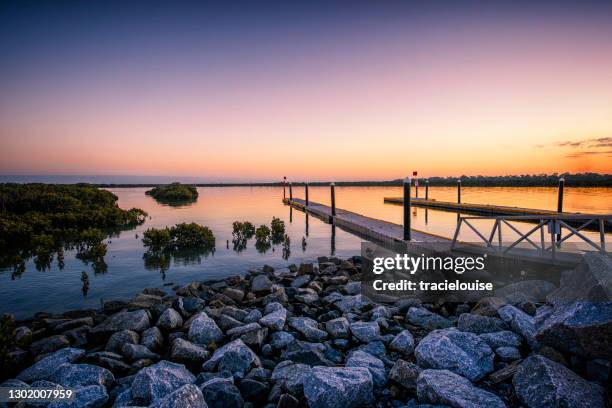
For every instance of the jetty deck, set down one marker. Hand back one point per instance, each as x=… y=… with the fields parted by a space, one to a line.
x=365 y=227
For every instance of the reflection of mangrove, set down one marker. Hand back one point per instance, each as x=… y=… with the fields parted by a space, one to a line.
x=161 y=260
x=85 y=280
x=40 y=221
x=304 y=243
x=286 y=247
x=174 y=194
x=176 y=203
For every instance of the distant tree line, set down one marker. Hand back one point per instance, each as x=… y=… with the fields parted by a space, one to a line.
x=524 y=180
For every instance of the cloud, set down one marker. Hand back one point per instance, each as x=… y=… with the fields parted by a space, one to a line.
x=592 y=147
x=577 y=155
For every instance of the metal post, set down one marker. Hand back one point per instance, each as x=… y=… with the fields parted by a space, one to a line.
x=459 y=191
x=407 y=209
x=560 y=202
x=290 y=192
x=306 y=193
x=333 y=199
x=427 y=189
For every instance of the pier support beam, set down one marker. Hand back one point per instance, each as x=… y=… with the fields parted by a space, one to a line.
x=290 y=192
x=416 y=188
x=306 y=193
x=560 y=202
x=284 y=187
x=333 y=199
x=427 y=189
x=407 y=209
x=459 y=191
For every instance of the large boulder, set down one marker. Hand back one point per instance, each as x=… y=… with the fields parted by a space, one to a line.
x=591 y=280
x=275 y=320
x=338 y=328
x=463 y=353
x=405 y=374
x=504 y=338
x=45 y=367
x=170 y=319
x=480 y=324
x=541 y=383
x=159 y=380
x=136 y=321
x=365 y=331
x=91 y=396
x=221 y=393
x=376 y=367
x=185 y=352
x=520 y=322
x=338 y=387
x=118 y=339
x=421 y=317
x=235 y=357
x=153 y=339
x=203 y=330
x=290 y=376
x=81 y=375
x=583 y=328
x=446 y=388
x=188 y=396
x=261 y=284
x=348 y=303
x=308 y=327
x=403 y=342
x=49 y=344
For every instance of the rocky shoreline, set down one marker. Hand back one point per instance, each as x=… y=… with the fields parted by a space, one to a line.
x=305 y=336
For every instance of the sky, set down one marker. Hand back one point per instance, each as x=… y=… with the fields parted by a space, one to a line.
x=319 y=90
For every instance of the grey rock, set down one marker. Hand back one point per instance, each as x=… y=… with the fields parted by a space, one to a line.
x=281 y=339
x=338 y=387
x=188 y=396
x=540 y=382
x=169 y=320
x=159 y=380
x=185 y=352
x=235 y=313
x=599 y=369
x=73 y=324
x=405 y=374
x=501 y=339
x=221 y=393
x=374 y=365
x=307 y=296
x=253 y=316
x=137 y=321
x=352 y=302
x=463 y=353
x=422 y=317
x=44 y=368
x=352 y=288
x=275 y=320
x=506 y=353
x=338 y=328
x=81 y=375
x=134 y=352
x=272 y=307
x=152 y=339
x=534 y=290
x=226 y=322
x=306 y=353
x=300 y=281
x=403 y=342
x=583 y=328
x=308 y=328
x=204 y=330
x=240 y=330
x=235 y=294
x=261 y=284
x=365 y=331
x=520 y=322
x=23 y=336
x=256 y=338
x=92 y=396
x=480 y=324
x=118 y=339
x=235 y=357
x=445 y=387
x=290 y=376
x=49 y=344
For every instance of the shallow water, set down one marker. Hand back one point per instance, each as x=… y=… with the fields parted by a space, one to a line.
x=55 y=290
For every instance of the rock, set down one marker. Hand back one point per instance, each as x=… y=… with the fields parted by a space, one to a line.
x=599 y=369
x=422 y=317
x=227 y=322
x=23 y=336
x=365 y=331
x=113 y=306
x=261 y=284
x=81 y=375
x=204 y=330
x=480 y=324
x=308 y=328
x=235 y=313
x=185 y=352
x=508 y=353
x=306 y=353
x=535 y=290
x=583 y=328
x=374 y=365
x=235 y=357
x=403 y=342
x=159 y=380
x=338 y=387
x=338 y=328
x=290 y=376
x=92 y=396
x=118 y=339
x=287 y=401
x=463 y=353
x=445 y=387
x=44 y=368
x=49 y=344
x=281 y=339
x=235 y=294
x=255 y=338
x=137 y=321
x=405 y=374
x=540 y=382
x=109 y=360
x=253 y=316
x=253 y=390
x=134 y=352
x=193 y=304
x=152 y=339
x=307 y=296
x=188 y=396
x=240 y=330
x=169 y=320
x=488 y=306
x=221 y=393
x=501 y=339
x=352 y=302
x=300 y=281
x=589 y=281
x=520 y=322
x=73 y=324
x=353 y=288
x=275 y=320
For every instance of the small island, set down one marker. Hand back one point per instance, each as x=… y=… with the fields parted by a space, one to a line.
x=174 y=193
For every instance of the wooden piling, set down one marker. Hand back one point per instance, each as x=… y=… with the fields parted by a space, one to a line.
x=290 y=192
x=427 y=189
x=560 y=202
x=407 y=209
x=306 y=193
x=333 y=199
x=459 y=191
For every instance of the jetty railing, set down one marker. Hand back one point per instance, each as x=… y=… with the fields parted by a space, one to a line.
x=546 y=225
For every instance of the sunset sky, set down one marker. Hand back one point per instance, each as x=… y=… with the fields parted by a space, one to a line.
x=322 y=91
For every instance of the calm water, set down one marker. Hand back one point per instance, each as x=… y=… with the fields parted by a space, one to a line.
x=56 y=290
